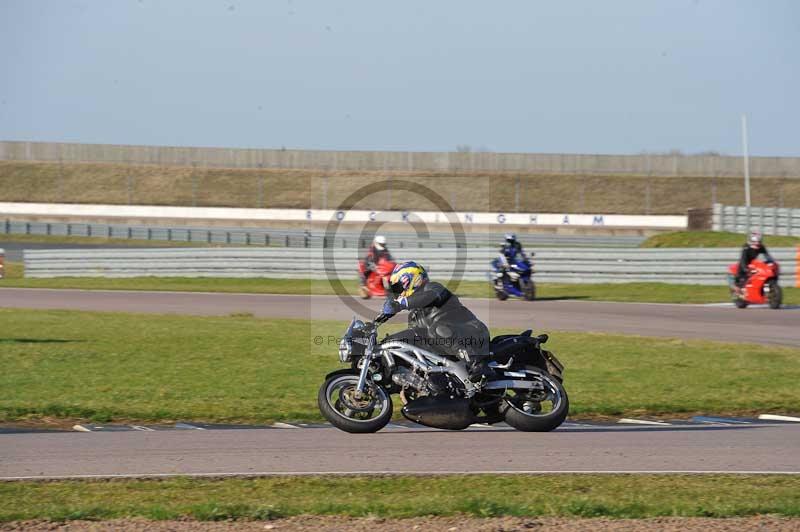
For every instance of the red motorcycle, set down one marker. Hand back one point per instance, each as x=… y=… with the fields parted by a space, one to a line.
x=377 y=280
x=761 y=285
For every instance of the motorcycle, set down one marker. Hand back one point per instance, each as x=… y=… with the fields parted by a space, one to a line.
x=517 y=281
x=525 y=390
x=761 y=285
x=377 y=279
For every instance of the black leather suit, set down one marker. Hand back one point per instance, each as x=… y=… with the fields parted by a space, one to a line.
x=440 y=323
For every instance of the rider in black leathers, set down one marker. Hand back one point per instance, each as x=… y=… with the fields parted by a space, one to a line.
x=750 y=251
x=437 y=320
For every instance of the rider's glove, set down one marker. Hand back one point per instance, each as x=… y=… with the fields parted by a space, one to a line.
x=391 y=307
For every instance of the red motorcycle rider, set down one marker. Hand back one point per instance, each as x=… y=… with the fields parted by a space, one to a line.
x=375 y=268
x=750 y=252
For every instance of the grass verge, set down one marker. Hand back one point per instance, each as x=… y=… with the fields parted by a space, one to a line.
x=712 y=239
x=624 y=292
x=128 y=367
x=617 y=496
x=110 y=183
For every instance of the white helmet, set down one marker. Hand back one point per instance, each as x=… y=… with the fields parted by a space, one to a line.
x=379 y=242
x=755 y=239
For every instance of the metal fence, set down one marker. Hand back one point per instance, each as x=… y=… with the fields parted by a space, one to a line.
x=683 y=266
x=768 y=220
x=645 y=164
x=298 y=237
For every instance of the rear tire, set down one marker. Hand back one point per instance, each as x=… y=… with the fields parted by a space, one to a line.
x=501 y=295
x=516 y=416
x=344 y=384
x=775 y=296
x=740 y=303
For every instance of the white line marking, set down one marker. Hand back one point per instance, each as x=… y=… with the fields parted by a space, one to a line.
x=280 y=425
x=719 y=420
x=187 y=426
x=412 y=473
x=775 y=417
x=642 y=422
x=81 y=428
x=144 y=429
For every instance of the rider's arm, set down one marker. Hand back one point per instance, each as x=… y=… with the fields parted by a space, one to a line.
x=743 y=262
x=434 y=296
x=766 y=253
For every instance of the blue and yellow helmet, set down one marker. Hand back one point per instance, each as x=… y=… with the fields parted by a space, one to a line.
x=406 y=278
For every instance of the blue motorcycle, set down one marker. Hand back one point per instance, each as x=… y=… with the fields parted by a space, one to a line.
x=516 y=281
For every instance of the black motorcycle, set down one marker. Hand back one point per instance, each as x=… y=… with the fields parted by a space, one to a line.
x=525 y=389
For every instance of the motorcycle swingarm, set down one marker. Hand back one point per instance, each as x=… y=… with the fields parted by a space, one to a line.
x=506 y=384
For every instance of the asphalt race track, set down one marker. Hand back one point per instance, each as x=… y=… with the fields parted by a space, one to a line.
x=756 y=448
x=754 y=325
x=703 y=447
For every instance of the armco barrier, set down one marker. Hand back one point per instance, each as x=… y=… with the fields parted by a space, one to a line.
x=315 y=238
x=768 y=220
x=565 y=265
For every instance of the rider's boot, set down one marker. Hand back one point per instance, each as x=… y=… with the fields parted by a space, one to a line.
x=479 y=369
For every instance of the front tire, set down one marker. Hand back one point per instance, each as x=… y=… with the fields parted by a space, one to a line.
x=775 y=298
x=338 y=404
x=529 y=292
x=525 y=412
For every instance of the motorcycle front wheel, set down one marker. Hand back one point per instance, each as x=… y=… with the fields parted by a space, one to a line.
x=529 y=291
x=537 y=410
x=338 y=404
x=775 y=297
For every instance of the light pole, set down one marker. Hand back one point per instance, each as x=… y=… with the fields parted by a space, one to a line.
x=746 y=164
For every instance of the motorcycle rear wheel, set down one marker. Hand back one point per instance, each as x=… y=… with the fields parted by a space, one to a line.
x=501 y=295
x=524 y=413
x=337 y=403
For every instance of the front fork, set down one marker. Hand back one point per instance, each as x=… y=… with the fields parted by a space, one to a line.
x=362 y=376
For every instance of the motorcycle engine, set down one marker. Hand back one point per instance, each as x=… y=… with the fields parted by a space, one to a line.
x=435 y=384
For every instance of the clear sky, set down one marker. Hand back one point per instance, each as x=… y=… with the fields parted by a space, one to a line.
x=429 y=75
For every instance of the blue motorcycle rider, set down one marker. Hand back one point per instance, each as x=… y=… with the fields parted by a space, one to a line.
x=510 y=252
x=437 y=320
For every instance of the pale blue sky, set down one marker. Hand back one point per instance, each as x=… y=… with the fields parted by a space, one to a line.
x=557 y=76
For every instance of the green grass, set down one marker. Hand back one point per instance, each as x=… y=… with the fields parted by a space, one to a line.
x=122 y=367
x=616 y=496
x=625 y=292
x=712 y=239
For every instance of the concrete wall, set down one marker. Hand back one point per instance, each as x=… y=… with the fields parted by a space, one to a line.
x=554 y=265
x=658 y=165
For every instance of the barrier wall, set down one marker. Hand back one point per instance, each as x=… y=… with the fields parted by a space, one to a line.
x=768 y=220
x=304 y=238
x=646 y=164
x=565 y=265
x=322 y=215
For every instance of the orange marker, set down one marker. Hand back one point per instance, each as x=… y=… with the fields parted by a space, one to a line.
x=797 y=269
